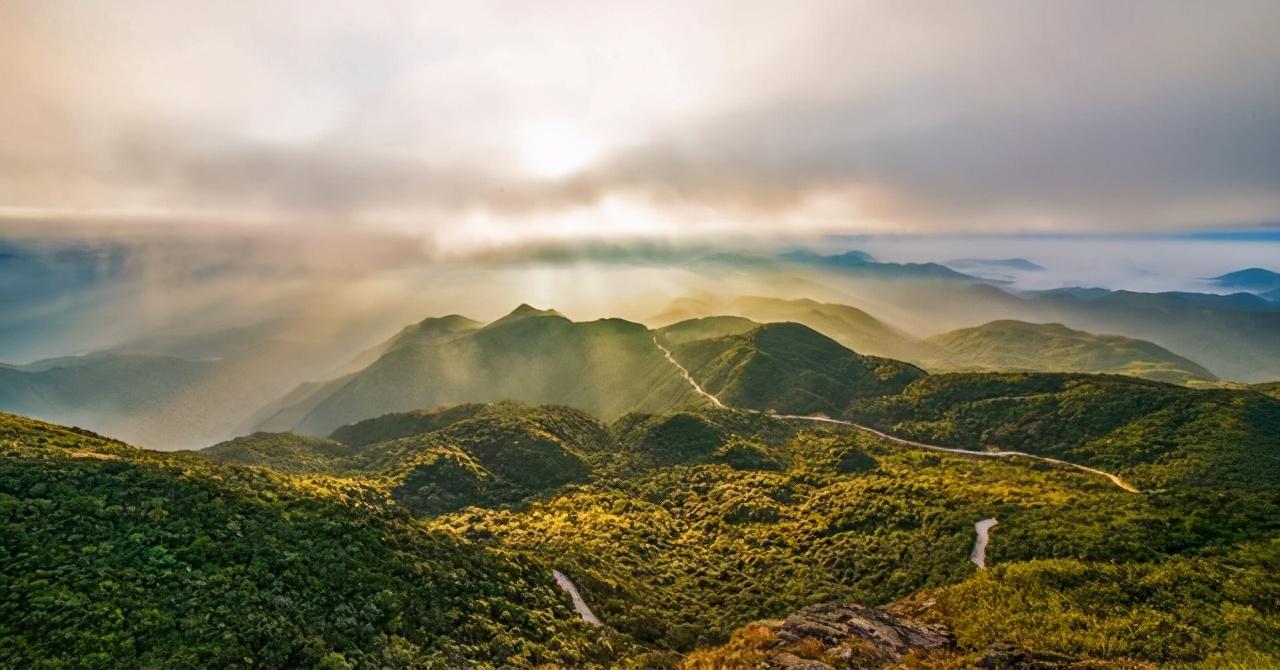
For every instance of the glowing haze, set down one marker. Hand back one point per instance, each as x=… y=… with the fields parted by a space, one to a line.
x=477 y=123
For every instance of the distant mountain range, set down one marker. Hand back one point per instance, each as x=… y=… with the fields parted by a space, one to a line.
x=1255 y=280
x=829 y=355
x=788 y=368
x=1052 y=347
x=980 y=264
x=1002 y=345
x=863 y=264
x=850 y=326
x=606 y=367
x=110 y=392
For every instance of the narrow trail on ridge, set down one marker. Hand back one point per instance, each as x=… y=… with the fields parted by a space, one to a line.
x=893 y=438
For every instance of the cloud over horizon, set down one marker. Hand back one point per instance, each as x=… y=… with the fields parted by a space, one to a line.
x=695 y=117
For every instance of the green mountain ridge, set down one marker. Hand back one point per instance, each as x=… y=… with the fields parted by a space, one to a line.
x=790 y=369
x=285 y=452
x=424 y=536
x=1009 y=345
x=606 y=367
x=1151 y=433
x=848 y=325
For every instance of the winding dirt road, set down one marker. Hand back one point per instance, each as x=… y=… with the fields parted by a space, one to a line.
x=895 y=439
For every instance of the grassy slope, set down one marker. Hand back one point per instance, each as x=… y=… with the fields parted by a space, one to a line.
x=703 y=328
x=1051 y=347
x=113 y=556
x=789 y=368
x=1269 y=388
x=680 y=528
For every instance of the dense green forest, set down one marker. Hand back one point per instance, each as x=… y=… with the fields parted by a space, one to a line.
x=680 y=528
x=116 y=557
x=1157 y=435
x=426 y=538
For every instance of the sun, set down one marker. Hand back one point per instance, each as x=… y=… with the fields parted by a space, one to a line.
x=552 y=148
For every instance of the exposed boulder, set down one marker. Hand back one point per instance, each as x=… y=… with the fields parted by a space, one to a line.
x=845 y=636
x=838 y=624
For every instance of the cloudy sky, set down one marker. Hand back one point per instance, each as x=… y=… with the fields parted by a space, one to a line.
x=476 y=122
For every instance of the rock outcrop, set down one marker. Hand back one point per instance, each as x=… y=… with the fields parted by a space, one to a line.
x=836 y=625
x=845 y=636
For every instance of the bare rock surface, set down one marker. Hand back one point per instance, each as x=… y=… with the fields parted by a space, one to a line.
x=843 y=636
x=835 y=623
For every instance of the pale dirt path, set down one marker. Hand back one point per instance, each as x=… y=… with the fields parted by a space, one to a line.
x=899 y=440
x=979 y=553
x=688 y=377
x=579 y=604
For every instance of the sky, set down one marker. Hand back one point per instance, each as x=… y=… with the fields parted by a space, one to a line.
x=483 y=123
x=479 y=123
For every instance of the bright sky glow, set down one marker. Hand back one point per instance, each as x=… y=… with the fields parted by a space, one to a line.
x=554 y=149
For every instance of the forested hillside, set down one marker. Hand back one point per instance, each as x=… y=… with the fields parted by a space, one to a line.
x=1158 y=435
x=115 y=557
x=427 y=538
x=680 y=528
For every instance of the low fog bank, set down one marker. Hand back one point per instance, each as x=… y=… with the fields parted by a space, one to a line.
x=1131 y=262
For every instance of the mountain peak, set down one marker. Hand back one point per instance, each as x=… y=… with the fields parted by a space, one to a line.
x=1252 y=273
x=1257 y=280
x=526 y=311
x=854 y=257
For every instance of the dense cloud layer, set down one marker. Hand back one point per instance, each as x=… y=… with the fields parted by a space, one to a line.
x=829 y=116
